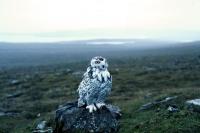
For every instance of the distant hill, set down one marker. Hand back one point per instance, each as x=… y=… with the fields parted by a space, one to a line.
x=30 y=54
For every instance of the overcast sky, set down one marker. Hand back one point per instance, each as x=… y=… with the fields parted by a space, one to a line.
x=58 y=20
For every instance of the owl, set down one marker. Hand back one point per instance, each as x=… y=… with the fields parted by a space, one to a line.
x=96 y=85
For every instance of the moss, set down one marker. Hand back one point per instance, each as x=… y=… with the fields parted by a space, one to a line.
x=133 y=86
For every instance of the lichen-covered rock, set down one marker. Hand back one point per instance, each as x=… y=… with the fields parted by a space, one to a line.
x=70 y=119
x=173 y=108
x=157 y=102
x=193 y=105
x=43 y=128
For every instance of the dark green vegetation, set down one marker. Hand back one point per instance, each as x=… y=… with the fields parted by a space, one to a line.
x=136 y=81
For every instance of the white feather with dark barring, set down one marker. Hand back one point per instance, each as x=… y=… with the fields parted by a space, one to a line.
x=96 y=84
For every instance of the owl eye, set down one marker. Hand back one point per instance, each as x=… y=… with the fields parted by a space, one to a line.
x=97 y=62
x=101 y=59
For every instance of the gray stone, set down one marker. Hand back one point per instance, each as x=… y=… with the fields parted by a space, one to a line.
x=41 y=125
x=70 y=118
x=78 y=73
x=47 y=130
x=42 y=128
x=14 y=95
x=193 y=105
x=14 y=82
x=172 y=109
x=9 y=113
x=155 y=103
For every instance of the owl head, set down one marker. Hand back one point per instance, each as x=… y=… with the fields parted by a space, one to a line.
x=99 y=62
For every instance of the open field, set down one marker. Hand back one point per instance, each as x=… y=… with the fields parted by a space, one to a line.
x=34 y=93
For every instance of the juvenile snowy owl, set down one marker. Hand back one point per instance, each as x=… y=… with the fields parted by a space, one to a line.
x=96 y=85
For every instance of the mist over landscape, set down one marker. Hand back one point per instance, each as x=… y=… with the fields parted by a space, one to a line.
x=34 y=54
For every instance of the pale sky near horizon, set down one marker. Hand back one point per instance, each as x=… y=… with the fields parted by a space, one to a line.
x=59 y=20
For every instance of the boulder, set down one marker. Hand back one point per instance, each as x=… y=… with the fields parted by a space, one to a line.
x=173 y=108
x=9 y=113
x=14 y=95
x=70 y=118
x=156 y=103
x=43 y=128
x=14 y=82
x=193 y=105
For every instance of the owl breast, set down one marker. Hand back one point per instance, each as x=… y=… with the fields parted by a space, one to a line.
x=94 y=89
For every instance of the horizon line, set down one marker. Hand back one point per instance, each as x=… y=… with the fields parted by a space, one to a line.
x=105 y=39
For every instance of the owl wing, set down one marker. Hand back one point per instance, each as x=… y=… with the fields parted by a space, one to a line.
x=83 y=87
x=98 y=91
x=88 y=90
x=105 y=91
x=93 y=91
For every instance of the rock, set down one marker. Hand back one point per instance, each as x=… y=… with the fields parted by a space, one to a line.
x=41 y=125
x=193 y=105
x=14 y=82
x=147 y=106
x=149 y=69
x=148 y=96
x=2 y=113
x=68 y=70
x=78 y=73
x=172 y=109
x=155 y=103
x=9 y=113
x=14 y=95
x=117 y=69
x=70 y=118
x=38 y=115
x=47 y=130
x=42 y=128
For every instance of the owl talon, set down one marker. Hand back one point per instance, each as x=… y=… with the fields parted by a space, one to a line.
x=100 y=105
x=91 y=108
